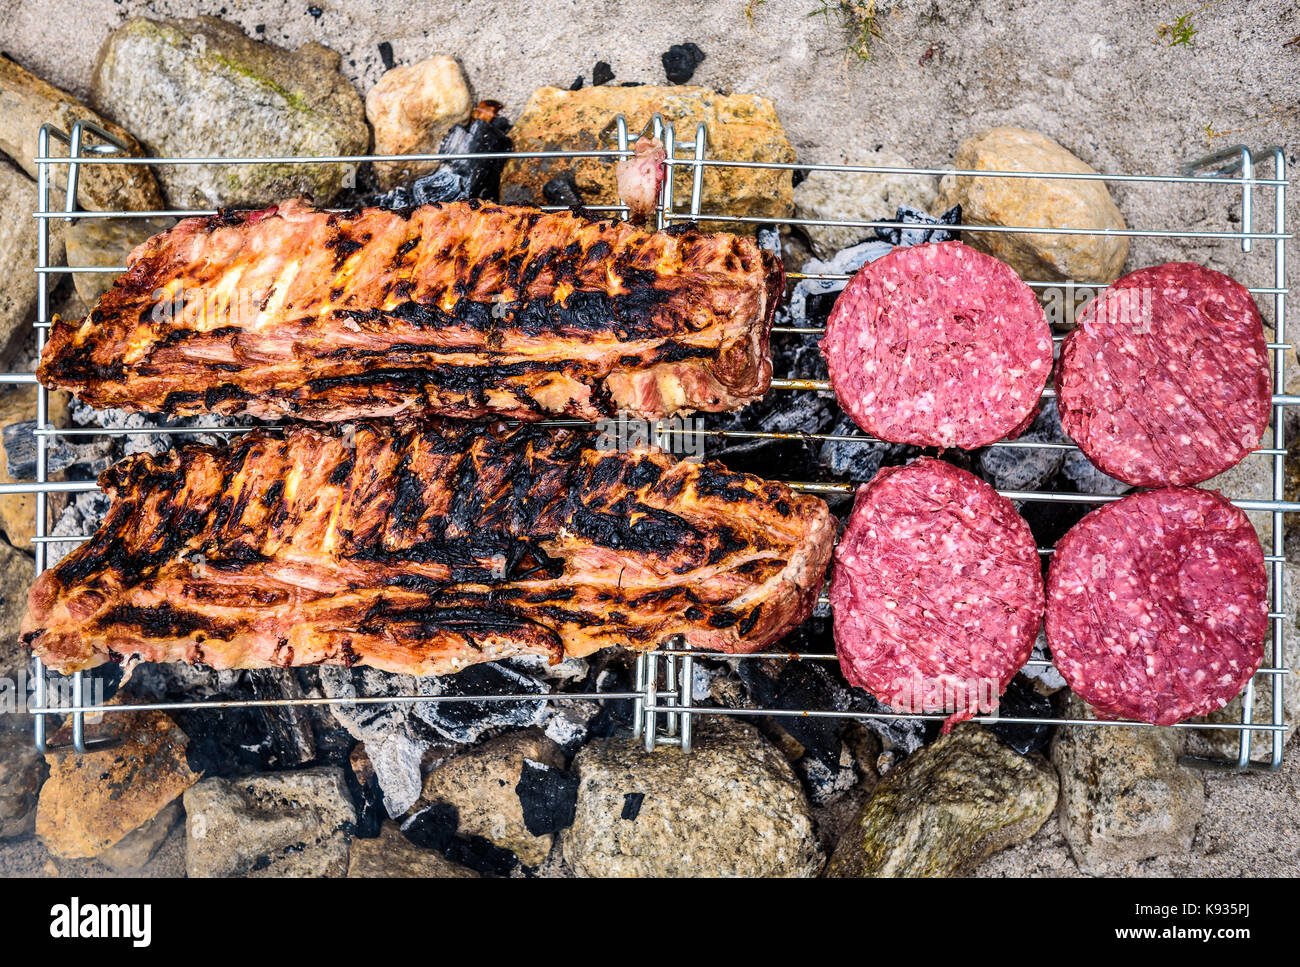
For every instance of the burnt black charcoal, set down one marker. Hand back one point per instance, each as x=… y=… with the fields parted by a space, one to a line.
x=468 y=721
x=913 y=236
x=801 y=685
x=602 y=73
x=680 y=61
x=236 y=740
x=548 y=798
x=1022 y=700
x=386 y=54
x=562 y=190
x=857 y=461
x=463 y=178
x=632 y=805
x=370 y=800
x=435 y=828
x=288 y=728
x=577 y=83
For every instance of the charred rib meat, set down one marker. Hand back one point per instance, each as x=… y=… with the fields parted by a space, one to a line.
x=424 y=549
x=461 y=309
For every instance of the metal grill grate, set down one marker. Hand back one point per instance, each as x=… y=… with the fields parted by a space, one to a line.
x=662 y=697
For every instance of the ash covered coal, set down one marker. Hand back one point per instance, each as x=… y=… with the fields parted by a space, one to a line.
x=398 y=737
x=239 y=740
x=1027 y=467
x=463 y=178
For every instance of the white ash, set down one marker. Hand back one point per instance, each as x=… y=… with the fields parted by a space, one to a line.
x=1046 y=678
x=82 y=516
x=565 y=730
x=823 y=782
x=846 y=261
x=702 y=682
x=1081 y=472
x=153 y=443
x=568 y=670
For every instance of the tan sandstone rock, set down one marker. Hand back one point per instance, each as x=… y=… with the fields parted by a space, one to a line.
x=1036 y=202
x=481 y=784
x=731 y=807
x=411 y=108
x=27 y=102
x=18 y=511
x=18 y=253
x=105 y=241
x=92 y=801
x=742 y=127
x=392 y=856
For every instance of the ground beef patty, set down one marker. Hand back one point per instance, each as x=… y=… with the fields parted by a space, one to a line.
x=938 y=345
x=937 y=591
x=1156 y=605
x=1166 y=379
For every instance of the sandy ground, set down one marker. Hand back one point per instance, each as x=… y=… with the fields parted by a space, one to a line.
x=1093 y=74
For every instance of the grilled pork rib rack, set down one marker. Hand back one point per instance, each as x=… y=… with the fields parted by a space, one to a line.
x=424 y=548
x=462 y=309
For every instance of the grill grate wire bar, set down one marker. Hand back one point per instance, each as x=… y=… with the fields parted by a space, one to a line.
x=662 y=696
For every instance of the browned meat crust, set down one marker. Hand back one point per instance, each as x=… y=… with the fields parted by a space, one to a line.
x=424 y=549
x=464 y=309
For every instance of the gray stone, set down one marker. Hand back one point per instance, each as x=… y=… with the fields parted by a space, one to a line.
x=105 y=241
x=391 y=855
x=859 y=196
x=1049 y=203
x=481 y=785
x=22 y=770
x=270 y=824
x=92 y=801
x=1124 y=797
x=947 y=808
x=134 y=851
x=730 y=807
x=202 y=88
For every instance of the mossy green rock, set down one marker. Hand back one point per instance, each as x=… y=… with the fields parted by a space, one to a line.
x=202 y=88
x=948 y=808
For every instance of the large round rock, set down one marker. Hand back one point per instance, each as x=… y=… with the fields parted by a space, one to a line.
x=1157 y=605
x=937 y=591
x=731 y=807
x=1166 y=379
x=938 y=345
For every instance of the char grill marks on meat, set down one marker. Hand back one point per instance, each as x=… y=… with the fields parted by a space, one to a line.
x=460 y=309
x=425 y=548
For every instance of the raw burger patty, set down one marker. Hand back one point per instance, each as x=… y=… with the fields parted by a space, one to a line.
x=1156 y=605
x=1166 y=379
x=937 y=589
x=938 y=345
